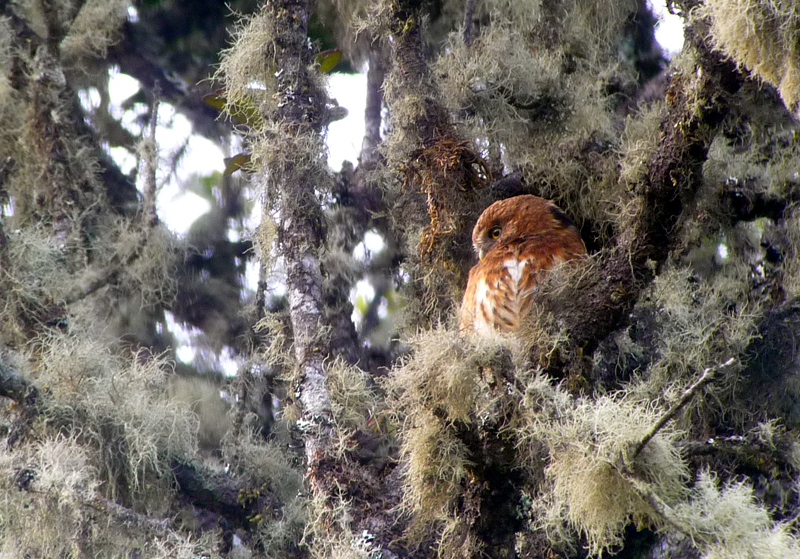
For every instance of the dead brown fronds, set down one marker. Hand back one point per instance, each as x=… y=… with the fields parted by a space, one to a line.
x=438 y=168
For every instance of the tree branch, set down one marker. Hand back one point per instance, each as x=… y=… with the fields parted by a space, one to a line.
x=440 y=171
x=148 y=163
x=709 y=375
x=370 y=156
x=128 y=517
x=221 y=494
x=607 y=286
x=468 y=22
x=214 y=492
x=186 y=98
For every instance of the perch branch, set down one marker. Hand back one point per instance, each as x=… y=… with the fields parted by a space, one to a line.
x=468 y=22
x=748 y=448
x=222 y=495
x=708 y=376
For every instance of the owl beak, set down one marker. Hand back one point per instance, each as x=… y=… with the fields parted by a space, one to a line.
x=481 y=254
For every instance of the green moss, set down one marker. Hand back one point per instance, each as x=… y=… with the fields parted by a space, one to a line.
x=586 y=440
x=762 y=36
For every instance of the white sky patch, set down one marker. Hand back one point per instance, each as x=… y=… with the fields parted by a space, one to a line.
x=133 y=14
x=365 y=291
x=722 y=251
x=360 y=252
x=181 y=209
x=345 y=136
x=183 y=337
x=90 y=98
x=252 y=269
x=373 y=241
x=669 y=30
x=121 y=86
x=185 y=354
x=176 y=208
x=383 y=308
x=7 y=210
x=228 y=362
x=124 y=159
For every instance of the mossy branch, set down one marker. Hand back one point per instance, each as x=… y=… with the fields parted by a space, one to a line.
x=708 y=376
x=749 y=449
x=607 y=286
x=214 y=492
x=148 y=163
x=236 y=502
x=128 y=517
x=440 y=170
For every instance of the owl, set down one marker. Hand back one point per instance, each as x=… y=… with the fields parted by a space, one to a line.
x=517 y=240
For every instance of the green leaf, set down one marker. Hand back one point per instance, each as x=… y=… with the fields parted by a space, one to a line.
x=233 y=164
x=246 y=112
x=328 y=59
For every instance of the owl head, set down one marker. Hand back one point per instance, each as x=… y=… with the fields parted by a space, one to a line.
x=514 y=219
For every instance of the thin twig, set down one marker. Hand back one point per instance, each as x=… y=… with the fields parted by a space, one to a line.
x=370 y=156
x=707 y=377
x=148 y=164
x=129 y=517
x=468 y=22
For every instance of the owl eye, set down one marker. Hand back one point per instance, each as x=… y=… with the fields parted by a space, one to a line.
x=494 y=233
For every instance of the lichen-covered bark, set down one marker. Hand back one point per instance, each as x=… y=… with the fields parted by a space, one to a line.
x=67 y=184
x=300 y=233
x=440 y=171
x=333 y=479
x=442 y=175
x=600 y=300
